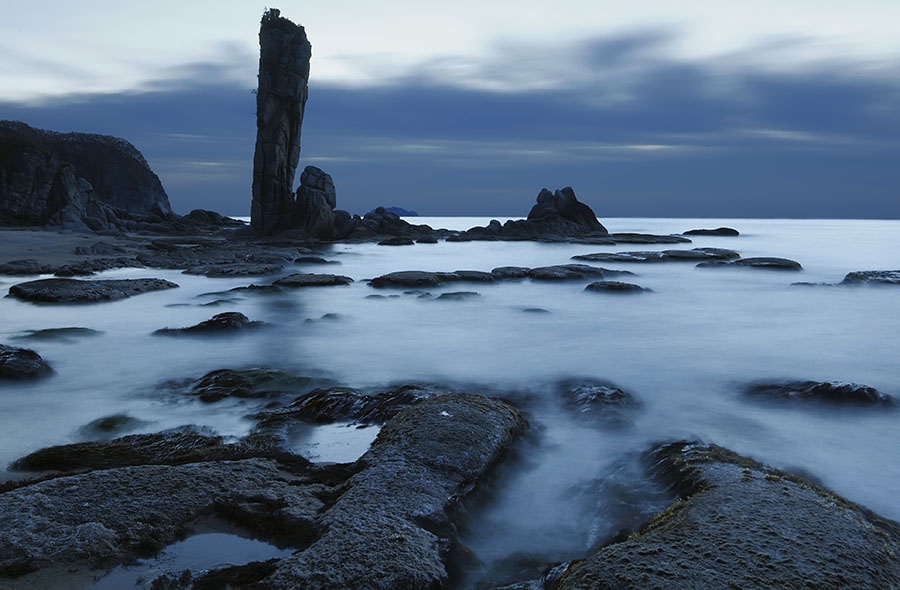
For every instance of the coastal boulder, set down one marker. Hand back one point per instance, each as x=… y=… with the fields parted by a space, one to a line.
x=836 y=392
x=21 y=364
x=313 y=209
x=227 y=322
x=740 y=524
x=872 y=277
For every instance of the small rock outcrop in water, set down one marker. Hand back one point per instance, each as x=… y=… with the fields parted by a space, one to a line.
x=76 y=181
x=764 y=262
x=740 y=524
x=21 y=363
x=719 y=231
x=872 y=277
x=82 y=291
x=284 y=54
x=558 y=213
x=227 y=322
x=614 y=287
x=829 y=391
x=693 y=255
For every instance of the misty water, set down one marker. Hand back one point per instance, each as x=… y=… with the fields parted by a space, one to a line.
x=684 y=350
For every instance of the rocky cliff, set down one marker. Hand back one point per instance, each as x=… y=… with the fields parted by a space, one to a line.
x=280 y=101
x=74 y=180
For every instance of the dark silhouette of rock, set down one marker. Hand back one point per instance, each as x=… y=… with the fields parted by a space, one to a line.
x=76 y=181
x=396 y=242
x=284 y=54
x=872 y=277
x=740 y=524
x=719 y=231
x=828 y=391
x=21 y=364
x=571 y=272
x=313 y=211
x=558 y=213
x=629 y=238
x=227 y=322
x=398 y=211
x=82 y=291
x=247 y=383
x=596 y=401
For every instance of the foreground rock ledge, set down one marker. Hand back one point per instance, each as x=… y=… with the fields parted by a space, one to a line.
x=77 y=291
x=741 y=524
x=384 y=522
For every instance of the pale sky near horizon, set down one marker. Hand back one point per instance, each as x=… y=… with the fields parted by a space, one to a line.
x=59 y=47
x=647 y=107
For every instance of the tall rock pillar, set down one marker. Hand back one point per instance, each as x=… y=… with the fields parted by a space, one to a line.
x=284 y=54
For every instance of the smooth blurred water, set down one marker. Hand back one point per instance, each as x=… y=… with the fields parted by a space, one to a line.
x=684 y=350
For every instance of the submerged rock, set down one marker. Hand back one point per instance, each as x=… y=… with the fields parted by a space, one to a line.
x=720 y=231
x=765 y=262
x=614 y=287
x=630 y=238
x=828 y=391
x=229 y=321
x=82 y=291
x=247 y=383
x=59 y=334
x=110 y=426
x=235 y=269
x=872 y=277
x=740 y=524
x=694 y=255
x=570 y=272
x=22 y=364
x=175 y=447
x=341 y=404
x=407 y=278
x=596 y=400
x=312 y=280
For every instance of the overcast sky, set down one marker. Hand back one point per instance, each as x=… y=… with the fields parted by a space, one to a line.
x=703 y=108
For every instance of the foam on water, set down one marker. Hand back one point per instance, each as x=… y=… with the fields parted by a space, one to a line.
x=684 y=350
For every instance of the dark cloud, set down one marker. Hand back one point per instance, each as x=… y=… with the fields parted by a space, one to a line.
x=635 y=135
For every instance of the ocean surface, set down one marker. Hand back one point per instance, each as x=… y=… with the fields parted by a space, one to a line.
x=684 y=350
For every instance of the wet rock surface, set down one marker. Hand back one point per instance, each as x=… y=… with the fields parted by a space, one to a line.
x=423 y=279
x=614 y=287
x=694 y=255
x=312 y=280
x=764 y=262
x=227 y=322
x=392 y=527
x=872 y=277
x=740 y=524
x=835 y=392
x=596 y=401
x=386 y=521
x=85 y=291
x=631 y=238
x=246 y=383
x=22 y=364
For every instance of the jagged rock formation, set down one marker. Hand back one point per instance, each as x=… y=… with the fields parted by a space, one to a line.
x=284 y=54
x=313 y=211
x=75 y=180
x=554 y=214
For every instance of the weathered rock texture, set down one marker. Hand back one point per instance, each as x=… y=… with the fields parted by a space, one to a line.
x=78 y=291
x=75 y=180
x=740 y=524
x=280 y=101
x=21 y=363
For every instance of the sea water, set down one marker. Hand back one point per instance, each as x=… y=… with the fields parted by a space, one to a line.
x=685 y=350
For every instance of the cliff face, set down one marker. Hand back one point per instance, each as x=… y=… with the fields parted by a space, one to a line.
x=280 y=101
x=73 y=180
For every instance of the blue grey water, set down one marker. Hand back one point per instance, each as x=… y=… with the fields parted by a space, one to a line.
x=684 y=350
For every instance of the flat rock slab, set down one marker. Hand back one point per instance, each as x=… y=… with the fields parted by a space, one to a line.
x=872 y=277
x=83 y=291
x=391 y=527
x=22 y=364
x=741 y=524
x=630 y=238
x=693 y=255
x=107 y=517
x=764 y=262
x=312 y=280
x=614 y=287
x=719 y=231
x=236 y=269
x=835 y=392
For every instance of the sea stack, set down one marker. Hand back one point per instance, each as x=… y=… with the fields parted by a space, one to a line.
x=284 y=54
